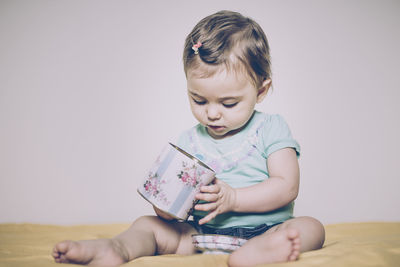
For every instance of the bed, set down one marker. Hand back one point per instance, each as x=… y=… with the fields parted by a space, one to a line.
x=347 y=244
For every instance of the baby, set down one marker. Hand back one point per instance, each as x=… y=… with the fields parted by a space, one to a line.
x=227 y=66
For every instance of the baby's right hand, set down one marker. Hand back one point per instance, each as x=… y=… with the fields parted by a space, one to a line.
x=220 y=198
x=163 y=214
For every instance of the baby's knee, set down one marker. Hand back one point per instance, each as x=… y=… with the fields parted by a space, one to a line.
x=147 y=221
x=316 y=225
x=315 y=228
x=320 y=231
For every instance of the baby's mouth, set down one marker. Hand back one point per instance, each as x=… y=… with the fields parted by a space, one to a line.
x=216 y=127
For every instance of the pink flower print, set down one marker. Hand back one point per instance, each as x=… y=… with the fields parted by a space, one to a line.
x=191 y=175
x=188 y=175
x=185 y=177
x=152 y=187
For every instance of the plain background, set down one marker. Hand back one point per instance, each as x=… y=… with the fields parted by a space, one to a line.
x=90 y=92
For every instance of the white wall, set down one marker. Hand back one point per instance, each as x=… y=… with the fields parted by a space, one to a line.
x=91 y=90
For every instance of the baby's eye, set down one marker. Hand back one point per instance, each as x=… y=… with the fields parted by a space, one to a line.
x=199 y=102
x=230 y=105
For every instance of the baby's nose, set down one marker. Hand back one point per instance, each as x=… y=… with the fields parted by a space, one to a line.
x=213 y=112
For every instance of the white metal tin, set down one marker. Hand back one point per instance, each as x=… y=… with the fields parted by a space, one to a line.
x=174 y=180
x=217 y=244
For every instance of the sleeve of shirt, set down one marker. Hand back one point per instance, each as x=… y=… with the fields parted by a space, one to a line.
x=276 y=135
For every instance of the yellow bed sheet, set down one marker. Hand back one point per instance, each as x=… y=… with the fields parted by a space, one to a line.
x=349 y=244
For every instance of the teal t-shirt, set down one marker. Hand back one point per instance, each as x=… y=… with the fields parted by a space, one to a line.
x=241 y=160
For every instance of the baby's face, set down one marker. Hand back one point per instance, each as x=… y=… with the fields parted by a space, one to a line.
x=222 y=103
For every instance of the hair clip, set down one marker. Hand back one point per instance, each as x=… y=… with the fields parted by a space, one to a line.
x=196 y=47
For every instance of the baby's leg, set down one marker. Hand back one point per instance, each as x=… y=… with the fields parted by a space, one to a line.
x=281 y=243
x=148 y=235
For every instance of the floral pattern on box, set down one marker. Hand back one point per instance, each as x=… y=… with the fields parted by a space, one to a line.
x=152 y=187
x=190 y=175
x=173 y=181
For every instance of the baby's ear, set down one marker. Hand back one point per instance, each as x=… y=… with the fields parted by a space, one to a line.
x=263 y=90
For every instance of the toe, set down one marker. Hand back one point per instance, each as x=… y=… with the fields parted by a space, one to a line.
x=293 y=234
x=62 y=247
x=293 y=257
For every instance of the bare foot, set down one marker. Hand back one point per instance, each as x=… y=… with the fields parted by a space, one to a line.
x=99 y=252
x=280 y=246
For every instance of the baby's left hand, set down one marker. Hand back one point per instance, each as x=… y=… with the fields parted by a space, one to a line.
x=220 y=196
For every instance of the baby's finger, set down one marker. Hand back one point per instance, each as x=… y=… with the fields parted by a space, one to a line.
x=207 y=197
x=208 y=218
x=206 y=206
x=213 y=188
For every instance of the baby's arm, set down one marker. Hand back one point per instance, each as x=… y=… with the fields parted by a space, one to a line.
x=278 y=190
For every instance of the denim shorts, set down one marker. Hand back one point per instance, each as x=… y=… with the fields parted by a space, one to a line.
x=241 y=232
